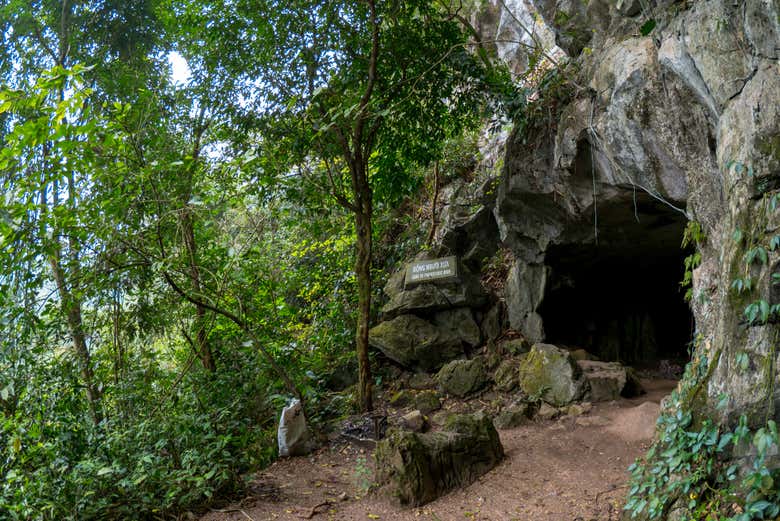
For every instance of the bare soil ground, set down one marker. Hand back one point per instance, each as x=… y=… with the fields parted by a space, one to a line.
x=571 y=469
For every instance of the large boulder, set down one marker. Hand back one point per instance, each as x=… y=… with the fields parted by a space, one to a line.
x=433 y=296
x=416 y=343
x=422 y=467
x=551 y=374
x=460 y=322
x=463 y=377
x=609 y=381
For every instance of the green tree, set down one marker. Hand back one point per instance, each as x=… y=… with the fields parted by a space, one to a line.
x=46 y=162
x=350 y=95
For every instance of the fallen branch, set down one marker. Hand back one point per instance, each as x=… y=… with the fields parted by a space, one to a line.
x=313 y=512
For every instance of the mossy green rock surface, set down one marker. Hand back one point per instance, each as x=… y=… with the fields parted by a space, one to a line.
x=550 y=373
x=427 y=401
x=505 y=376
x=416 y=343
x=513 y=415
x=422 y=467
x=463 y=377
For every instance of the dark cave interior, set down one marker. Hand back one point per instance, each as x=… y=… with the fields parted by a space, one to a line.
x=620 y=297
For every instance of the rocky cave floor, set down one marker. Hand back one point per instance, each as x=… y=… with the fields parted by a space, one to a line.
x=573 y=468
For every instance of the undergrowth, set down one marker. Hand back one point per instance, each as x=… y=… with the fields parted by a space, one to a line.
x=698 y=470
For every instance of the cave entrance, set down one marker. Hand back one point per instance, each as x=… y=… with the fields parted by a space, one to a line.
x=619 y=297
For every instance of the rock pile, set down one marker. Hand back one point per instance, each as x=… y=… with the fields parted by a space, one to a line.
x=419 y=468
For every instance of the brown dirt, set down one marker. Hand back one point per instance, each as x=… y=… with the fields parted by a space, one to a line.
x=572 y=469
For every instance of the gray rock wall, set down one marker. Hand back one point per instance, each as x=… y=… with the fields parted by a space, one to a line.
x=686 y=117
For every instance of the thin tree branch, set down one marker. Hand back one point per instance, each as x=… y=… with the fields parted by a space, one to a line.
x=243 y=326
x=372 y=66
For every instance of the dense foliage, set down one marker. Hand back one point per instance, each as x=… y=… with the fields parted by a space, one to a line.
x=173 y=267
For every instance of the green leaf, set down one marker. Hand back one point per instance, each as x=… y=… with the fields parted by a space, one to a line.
x=647 y=27
x=764 y=307
x=725 y=439
x=758 y=506
x=743 y=361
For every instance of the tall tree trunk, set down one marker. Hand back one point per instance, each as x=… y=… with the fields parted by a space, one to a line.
x=71 y=307
x=204 y=350
x=363 y=214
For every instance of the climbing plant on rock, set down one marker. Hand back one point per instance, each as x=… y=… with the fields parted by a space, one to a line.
x=697 y=468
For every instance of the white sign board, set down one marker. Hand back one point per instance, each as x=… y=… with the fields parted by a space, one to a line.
x=433 y=270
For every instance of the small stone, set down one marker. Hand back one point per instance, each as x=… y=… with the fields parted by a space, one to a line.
x=414 y=421
x=575 y=409
x=547 y=412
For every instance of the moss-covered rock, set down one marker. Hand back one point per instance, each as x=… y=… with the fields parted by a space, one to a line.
x=550 y=373
x=427 y=401
x=515 y=346
x=463 y=377
x=514 y=415
x=419 y=468
x=416 y=343
x=506 y=376
x=429 y=297
x=610 y=380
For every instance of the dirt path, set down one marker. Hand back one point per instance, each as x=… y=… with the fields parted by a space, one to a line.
x=565 y=470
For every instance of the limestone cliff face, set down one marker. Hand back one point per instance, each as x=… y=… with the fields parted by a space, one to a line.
x=679 y=125
x=666 y=118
